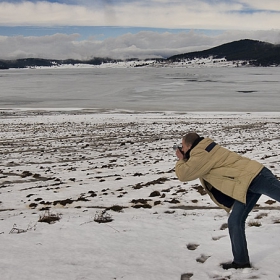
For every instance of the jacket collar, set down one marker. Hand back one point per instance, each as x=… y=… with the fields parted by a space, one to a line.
x=187 y=154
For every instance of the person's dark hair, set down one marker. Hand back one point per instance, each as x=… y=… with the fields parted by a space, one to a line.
x=190 y=138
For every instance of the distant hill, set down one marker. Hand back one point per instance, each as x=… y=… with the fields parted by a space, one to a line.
x=257 y=53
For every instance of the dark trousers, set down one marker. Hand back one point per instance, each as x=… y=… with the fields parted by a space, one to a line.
x=265 y=183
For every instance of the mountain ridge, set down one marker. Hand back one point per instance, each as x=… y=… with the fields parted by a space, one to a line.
x=251 y=52
x=257 y=53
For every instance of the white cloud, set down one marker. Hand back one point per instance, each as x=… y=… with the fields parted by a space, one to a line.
x=165 y=14
x=255 y=19
x=145 y=44
x=47 y=14
x=271 y=5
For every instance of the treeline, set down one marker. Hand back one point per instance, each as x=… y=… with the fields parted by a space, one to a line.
x=38 y=62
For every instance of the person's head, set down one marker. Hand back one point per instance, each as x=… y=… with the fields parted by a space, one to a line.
x=188 y=140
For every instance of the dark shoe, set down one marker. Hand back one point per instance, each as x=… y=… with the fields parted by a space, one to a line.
x=235 y=265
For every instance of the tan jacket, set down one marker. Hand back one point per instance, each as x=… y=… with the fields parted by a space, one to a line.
x=225 y=175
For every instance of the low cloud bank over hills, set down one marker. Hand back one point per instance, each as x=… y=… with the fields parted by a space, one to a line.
x=242 y=52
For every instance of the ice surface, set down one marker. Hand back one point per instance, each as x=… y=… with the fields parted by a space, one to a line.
x=146 y=89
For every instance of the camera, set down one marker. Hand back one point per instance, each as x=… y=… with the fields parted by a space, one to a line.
x=175 y=147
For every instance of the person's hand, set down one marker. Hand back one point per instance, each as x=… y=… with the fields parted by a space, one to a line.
x=179 y=154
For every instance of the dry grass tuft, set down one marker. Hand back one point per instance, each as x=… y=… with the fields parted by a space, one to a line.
x=261 y=215
x=254 y=224
x=49 y=217
x=103 y=217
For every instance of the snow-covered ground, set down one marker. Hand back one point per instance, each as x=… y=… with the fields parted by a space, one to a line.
x=83 y=166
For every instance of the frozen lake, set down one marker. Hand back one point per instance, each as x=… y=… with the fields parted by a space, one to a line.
x=145 y=89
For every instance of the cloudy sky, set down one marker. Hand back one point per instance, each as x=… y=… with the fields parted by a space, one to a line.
x=83 y=29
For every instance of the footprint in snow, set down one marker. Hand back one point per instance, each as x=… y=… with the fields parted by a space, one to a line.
x=203 y=258
x=215 y=238
x=186 y=276
x=192 y=246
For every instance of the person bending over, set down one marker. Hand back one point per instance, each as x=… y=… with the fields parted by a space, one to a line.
x=234 y=183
